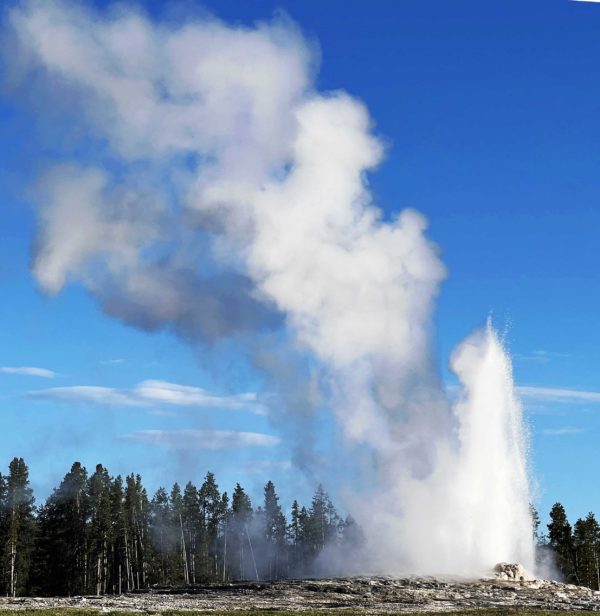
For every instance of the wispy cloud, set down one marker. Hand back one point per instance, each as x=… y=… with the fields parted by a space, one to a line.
x=112 y=362
x=29 y=371
x=566 y=430
x=556 y=394
x=202 y=439
x=184 y=395
x=151 y=393
x=540 y=356
x=86 y=393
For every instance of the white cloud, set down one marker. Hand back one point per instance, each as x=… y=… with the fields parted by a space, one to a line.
x=540 y=356
x=184 y=395
x=562 y=431
x=29 y=371
x=150 y=393
x=556 y=394
x=112 y=362
x=202 y=439
x=87 y=393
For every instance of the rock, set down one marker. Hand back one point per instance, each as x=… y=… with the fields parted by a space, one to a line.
x=513 y=572
x=365 y=594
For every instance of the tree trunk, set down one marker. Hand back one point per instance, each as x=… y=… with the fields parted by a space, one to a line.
x=186 y=573
x=13 y=558
x=252 y=553
x=98 y=573
x=224 y=553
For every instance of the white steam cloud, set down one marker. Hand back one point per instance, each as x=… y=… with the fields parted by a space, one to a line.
x=263 y=219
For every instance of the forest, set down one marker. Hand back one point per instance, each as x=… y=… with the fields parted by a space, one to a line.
x=575 y=549
x=98 y=534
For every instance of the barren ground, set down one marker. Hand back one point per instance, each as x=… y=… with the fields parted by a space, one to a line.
x=375 y=595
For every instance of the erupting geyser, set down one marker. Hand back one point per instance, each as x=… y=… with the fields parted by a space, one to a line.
x=491 y=480
x=262 y=218
x=472 y=510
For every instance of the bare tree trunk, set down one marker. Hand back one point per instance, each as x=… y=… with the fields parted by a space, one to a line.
x=98 y=574
x=13 y=558
x=85 y=569
x=242 y=570
x=192 y=547
x=186 y=573
x=142 y=552
x=104 y=566
x=224 y=553
x=13 y=551
x=137 y=561
x=127 y=563
x=252 y=553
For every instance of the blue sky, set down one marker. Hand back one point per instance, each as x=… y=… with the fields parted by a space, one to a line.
x=490 y=113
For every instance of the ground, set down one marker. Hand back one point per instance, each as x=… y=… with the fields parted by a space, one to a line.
x=356 y=595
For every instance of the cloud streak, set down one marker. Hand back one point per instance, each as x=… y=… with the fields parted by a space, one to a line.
x=558 y=395
x=541 y=356
x=152 y=393
x=29 y=371
x=202 y=439
x=564 y=431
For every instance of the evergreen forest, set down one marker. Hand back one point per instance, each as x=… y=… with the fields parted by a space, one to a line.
x=575 y=549
x=98 y=534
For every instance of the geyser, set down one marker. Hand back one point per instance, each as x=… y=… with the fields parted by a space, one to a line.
x=472 y=510
x=261 y=218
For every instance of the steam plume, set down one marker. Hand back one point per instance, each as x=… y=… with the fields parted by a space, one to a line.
x=263 y=219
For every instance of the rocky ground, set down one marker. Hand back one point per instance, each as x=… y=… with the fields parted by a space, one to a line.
x=371 y=594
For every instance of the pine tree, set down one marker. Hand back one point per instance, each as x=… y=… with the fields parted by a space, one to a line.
x=586 y=539
x=60 y=565
x=18 y=528
x=180 y=568
x=137 y=511
x=535 y=523
x=222 y=537
x=118 y=552
x=274 y=533
x=162 y=536
x=238 y=524
x=324 y=521
x=560 y=539
x=294 y=537
x=99 y=529
x=212 y=513
x=192 y=529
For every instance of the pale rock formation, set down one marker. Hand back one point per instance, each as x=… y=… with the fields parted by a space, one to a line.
x=512 y=572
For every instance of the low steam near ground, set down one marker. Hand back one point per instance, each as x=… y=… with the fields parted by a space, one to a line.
x=227 y=197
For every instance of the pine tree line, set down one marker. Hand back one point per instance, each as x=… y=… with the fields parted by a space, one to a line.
x=103 y=535
x=576 y=549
